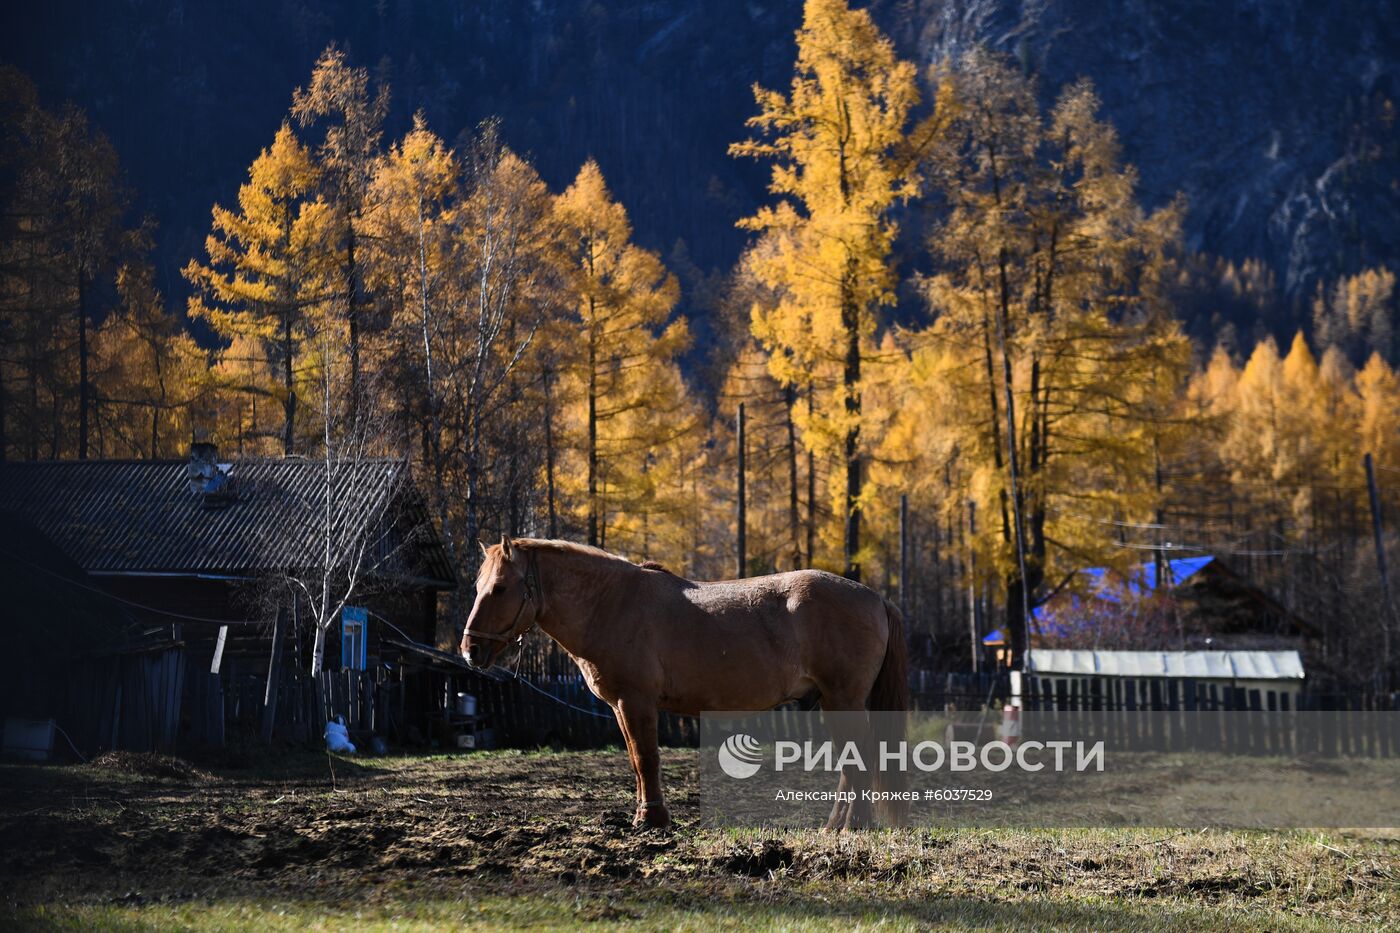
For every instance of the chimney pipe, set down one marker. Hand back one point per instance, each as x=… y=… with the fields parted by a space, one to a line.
x=203 y=469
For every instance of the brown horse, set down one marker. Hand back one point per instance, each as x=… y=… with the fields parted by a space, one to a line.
x=647 y=640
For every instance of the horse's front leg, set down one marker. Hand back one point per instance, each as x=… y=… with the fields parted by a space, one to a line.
x=637 y=796
x=638 y=721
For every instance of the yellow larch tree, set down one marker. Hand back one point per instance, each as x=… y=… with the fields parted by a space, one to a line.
x=773 y=487
x=1356 y=315
x=266 y=273
x=510 y=257
x=338 y=103
x=1061 y=359
x=409 y=262
x=840 y=145
x=149 y=373
x=244 y=411
x=1378 y=414
x=622 y=396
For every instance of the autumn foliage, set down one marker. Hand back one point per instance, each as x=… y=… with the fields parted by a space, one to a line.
x=952 y=294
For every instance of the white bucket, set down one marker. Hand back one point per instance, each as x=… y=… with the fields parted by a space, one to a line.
x=466 y=704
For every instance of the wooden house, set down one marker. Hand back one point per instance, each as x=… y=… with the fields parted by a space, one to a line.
x=78 y=658
x=199 y=553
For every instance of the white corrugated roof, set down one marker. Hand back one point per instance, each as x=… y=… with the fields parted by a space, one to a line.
x=1216 y=665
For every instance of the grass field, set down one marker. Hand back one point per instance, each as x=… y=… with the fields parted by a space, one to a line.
x=301 y=841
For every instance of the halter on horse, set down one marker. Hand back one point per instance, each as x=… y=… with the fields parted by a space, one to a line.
x=531 y=593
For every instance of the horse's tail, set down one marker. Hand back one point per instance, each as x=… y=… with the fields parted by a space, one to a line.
x=889 y=698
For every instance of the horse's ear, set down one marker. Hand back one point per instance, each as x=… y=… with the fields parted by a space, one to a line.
x=484 y=552
x=505 y=546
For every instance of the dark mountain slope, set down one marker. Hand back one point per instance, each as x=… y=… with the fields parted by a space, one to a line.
x=1277 y=118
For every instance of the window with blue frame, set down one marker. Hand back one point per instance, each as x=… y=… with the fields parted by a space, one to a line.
x=354 y=622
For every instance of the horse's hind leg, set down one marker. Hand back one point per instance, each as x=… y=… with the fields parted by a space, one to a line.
x=840 y=810
x=846 y=721
x=638 y=721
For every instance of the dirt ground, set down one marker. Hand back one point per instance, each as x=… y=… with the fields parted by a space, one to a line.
x=300 y=839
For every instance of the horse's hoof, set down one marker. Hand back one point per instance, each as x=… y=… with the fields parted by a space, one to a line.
x=652 y=818
x=857 y=821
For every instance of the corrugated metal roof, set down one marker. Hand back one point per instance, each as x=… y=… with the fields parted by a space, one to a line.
x=1216 y=665
x=141 y=515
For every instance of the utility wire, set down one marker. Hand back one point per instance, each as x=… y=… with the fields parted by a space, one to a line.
x=491 y=674
x=117 y=599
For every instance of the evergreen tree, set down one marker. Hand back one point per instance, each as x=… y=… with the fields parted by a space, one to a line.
x=149 y=373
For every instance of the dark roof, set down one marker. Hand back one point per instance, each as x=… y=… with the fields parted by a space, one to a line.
x=41 y=585
x=141 y=516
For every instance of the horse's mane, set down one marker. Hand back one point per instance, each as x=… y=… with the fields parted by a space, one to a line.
x=569 y=547
x=565 y=547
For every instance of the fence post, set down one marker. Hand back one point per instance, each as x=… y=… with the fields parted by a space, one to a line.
x=742 y=543
x=274 y=675
x=904 y=556
x=1374 y=494
x=972 y=582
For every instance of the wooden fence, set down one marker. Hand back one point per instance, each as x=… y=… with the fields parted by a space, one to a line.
x=369 y=702
x=1094 y=693
x=419 y=707
x=560 y=710
x=1186 y=714
x=936 y=691
x=157 y=701
x=130 y=701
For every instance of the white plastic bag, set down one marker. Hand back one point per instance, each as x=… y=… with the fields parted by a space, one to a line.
x=338 y=737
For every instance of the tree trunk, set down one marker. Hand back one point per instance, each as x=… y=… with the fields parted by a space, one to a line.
x=156 y=408
x=474 y=472
x=1018 y=592
x=904 y=583
x=794 y=522
x=352 y=315
x=850 y=315
x=318 y=651
x=592 y=438
x=743 y=518
x=549 y=456
x=289 y=406
x=1016 y=618
x=811 y=490
x=83 y=391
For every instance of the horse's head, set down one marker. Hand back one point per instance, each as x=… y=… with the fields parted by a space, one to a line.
x=507 y=604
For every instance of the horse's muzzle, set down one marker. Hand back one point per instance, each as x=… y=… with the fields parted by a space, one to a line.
x=478 y=657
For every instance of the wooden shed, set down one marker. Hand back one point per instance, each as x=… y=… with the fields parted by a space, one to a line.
x=192 y=552
x=84 y=673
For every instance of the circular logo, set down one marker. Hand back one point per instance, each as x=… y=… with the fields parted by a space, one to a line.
x=740 y=756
